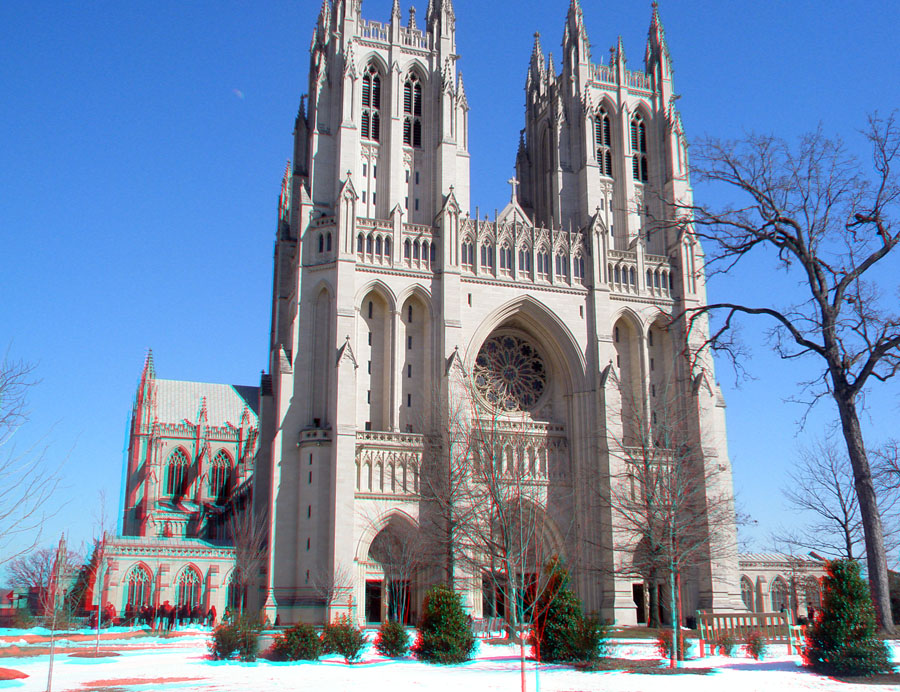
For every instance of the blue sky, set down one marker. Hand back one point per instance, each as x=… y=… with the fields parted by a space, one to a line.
x=142 y=146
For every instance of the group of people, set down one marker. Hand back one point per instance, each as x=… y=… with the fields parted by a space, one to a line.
x=167 y=617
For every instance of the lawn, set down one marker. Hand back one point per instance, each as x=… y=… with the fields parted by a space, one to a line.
x=180 y=662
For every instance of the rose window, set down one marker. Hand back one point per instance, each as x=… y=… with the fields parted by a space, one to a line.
x=509 y=373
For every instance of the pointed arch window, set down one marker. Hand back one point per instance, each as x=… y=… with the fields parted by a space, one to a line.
x=138 y=586
x=639 y=149
x=543 y=264
x=562 y=267
x=506 y=258
x=487 y=256
x=525 y=259
x=603 y=142
x=371 y=104
x=220 y=476
x=188 y=588
x=578 y=268
x=176 y=473
x=412 y=111
x=468 y=254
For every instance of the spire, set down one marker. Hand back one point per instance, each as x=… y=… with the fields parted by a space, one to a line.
x=620 y=51
x=323 y=27
x=149 y=371
x=441 y=11
x=657 y=52
x=576 y=46
x=536 y=69
x=395 y=12
x=411 y=25
x=461 y=92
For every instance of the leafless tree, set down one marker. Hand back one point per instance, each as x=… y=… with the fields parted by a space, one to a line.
x=674 y=507
x=331 y=586
x=249 y=532
x=828 y=222
x=821 y=486
x=26 y=482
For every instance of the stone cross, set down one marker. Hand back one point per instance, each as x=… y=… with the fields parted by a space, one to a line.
x=514 y=184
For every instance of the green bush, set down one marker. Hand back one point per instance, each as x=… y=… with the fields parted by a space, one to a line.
x=392 y=640
x=445 y=633
x=240 y=636
x=224 y=643
x=725 y=644
x=248 y=629
x=561 y=631
x=755 y=643
x=298 y=643
x=344 y=638
x=843 y=639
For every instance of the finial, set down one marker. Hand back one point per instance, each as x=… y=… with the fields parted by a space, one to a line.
x=149 y=368
x=412 y=18
x=395 y=10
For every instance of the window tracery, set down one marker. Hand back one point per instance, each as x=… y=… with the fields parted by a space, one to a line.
x=371 y=104
x=412 y=111
x=509 y=373
x=603 y=142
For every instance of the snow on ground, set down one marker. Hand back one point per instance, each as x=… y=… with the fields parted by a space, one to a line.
x=180 y=663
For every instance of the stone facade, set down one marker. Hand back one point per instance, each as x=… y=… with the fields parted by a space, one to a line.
x=390 y=299
x=189 y=466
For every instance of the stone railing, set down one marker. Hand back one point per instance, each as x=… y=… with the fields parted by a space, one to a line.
x=413 y=38
x=603 y=74
x=627 y=273
x=388 y=463
x=639 y=80
x=375 y=31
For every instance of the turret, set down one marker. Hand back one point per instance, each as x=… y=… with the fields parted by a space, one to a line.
x=657 y=60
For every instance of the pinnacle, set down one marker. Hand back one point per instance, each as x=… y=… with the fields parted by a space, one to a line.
x=149 y=371
x=395 y=10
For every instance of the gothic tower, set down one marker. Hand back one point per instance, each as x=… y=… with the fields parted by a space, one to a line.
x=388 y=296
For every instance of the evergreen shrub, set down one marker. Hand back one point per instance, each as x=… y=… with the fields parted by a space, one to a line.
x=843 y=639
x=224 y=642
x=344 y=638
x=392 y=640
x=561 y=631
x=297 y=643
x=445 y=633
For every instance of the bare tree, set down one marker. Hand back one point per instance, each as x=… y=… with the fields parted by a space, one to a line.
x=249 y=532
x=675 y=507
x=331 y=586
x=25 y=481
x=821 y=486
x=829 y=224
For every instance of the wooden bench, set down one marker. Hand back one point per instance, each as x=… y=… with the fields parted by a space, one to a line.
x=775 y=627
x=483 y=628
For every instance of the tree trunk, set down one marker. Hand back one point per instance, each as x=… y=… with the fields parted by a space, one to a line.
x=876 y=558
x=653 y=617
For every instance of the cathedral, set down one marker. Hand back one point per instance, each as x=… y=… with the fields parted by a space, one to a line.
x=543 y=343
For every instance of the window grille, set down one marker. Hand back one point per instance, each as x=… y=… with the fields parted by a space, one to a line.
x=371 y=104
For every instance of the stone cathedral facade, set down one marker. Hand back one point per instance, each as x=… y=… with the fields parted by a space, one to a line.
x=388 y=293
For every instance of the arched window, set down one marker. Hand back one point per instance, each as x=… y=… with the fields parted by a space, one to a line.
x=406 y=249
x=603 y=142
x=747 y=593
x=138 y=586
x=487 y=256
x=360 y=243
x=378 y=246
x=328 y=241
x=321 y=243
x=639 y=148
x=779 y=594
x=524 y=259
x=220 y=476
x=369 y=244
x=506 y=258
x=543 y=264
x=176 y=473
x=412 y=111
x=416 y=248
x=432 y=252
x=188 y=588
x=371 y=104
x=468 y=254
x=387 y=247
x=562 y=267
x=578 y=268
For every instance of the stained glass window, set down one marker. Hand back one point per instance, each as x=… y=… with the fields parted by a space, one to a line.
x=509 y=373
